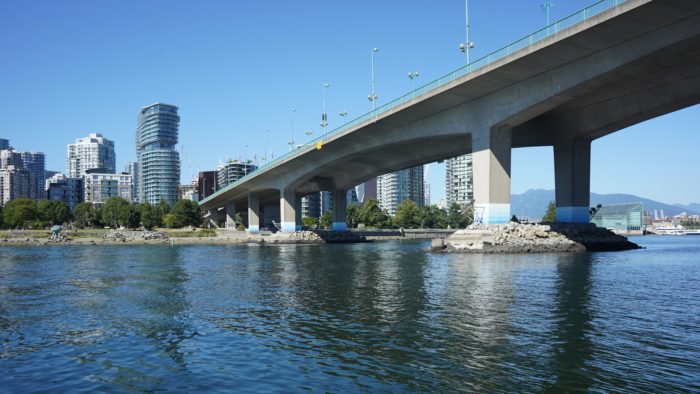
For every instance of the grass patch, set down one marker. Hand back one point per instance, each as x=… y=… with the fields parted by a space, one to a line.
x=204 y=232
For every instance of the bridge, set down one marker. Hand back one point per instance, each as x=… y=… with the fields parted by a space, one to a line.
x=602 y=69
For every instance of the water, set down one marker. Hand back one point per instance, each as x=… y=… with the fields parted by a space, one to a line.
x=347 y=318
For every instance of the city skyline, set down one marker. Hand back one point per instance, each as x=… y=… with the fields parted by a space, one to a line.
x=248 y=89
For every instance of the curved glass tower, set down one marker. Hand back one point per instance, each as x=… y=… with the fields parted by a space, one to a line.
x=159 y=162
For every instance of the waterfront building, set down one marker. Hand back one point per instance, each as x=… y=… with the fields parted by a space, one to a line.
x=69 y=190
x=34 y=163
x=91 y=152
x=232 y=171
x=395 y=187
x=14 y=183
x=426 y=185
x=4 y=144
x=206 y=184
x=159 y=162
x=99 y=187
x=620 y=218
x=10 y=157
x=325 y=202
x=311 y=205
x=188 y=192
x=459 y=181
x=132 y=168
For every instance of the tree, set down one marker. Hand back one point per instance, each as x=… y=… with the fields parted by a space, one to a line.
x=86 y=215
x=115 y=212
x=170 y=221
x=20 y=212
x=372 y=215
x=53 y=212
x=326 y=220
x=150 y=216
x=130 y=217
x=310 y=223
x=551 y=215
x=459 y=216
x=163 y=209
x=187 y=213
x=351 y=213
x=433 y=217
x=407 y=215
x=0 y=215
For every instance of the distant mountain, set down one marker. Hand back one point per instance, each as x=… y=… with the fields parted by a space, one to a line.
x=694 y=207
x=533 y=203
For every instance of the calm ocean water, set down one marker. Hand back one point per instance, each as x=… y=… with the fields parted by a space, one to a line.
x=345 y=318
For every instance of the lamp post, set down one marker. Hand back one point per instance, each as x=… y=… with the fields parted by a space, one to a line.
x=291 y=138
x=546 y=7
x=465 y=47
x=264 y=157
x=373 y=97
x=413 y=76
x=324 y=115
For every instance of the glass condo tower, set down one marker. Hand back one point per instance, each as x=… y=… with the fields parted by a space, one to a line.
x=159 y=162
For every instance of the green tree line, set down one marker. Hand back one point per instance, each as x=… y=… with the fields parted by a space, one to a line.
x=408 y=215
x=115 y=212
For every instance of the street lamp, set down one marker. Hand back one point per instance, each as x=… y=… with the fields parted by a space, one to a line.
x=469 y=45
x=546 y=7
x=324 y=115
x=413 y=76
x=373 y=97
x=264 y=157
x=291 y=138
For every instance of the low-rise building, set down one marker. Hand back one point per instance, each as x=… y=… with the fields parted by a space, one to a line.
x=620 y=218
x=69 y=190
x=99 y=187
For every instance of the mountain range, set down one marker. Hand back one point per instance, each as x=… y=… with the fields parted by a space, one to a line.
x=533 y=203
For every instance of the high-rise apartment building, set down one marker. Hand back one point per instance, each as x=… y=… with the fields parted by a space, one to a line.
x=459 y=181
x=21 y=165
x=4 y=144
x=132 y=168
x=159 y=162
x=311 y=205
x=14 y=183
x=89 y=153
x=395 y=187
x=232 y=171
x=34 y=162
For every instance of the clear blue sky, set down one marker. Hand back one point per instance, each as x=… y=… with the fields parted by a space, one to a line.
x=236 y=68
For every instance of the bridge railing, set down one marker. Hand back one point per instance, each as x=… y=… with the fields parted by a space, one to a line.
x=554 y=28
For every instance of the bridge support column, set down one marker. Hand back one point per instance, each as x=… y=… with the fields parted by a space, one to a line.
x=287 y=210
x=340 y=201
x=214 y=217
x=572 y=180
x=297 y=212
x=230 y=214
x=253 y=213
x=491 y=166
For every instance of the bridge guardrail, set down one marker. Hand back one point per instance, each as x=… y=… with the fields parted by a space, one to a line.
x=554 y=28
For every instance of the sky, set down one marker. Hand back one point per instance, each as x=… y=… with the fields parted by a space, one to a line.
x=237 y=68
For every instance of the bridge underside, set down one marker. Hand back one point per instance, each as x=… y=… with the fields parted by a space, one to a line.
x=627 y=65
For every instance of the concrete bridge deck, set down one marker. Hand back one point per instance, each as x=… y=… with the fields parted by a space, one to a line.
x=623 y=63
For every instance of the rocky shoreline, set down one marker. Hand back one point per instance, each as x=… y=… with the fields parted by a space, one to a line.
x=532 y=238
